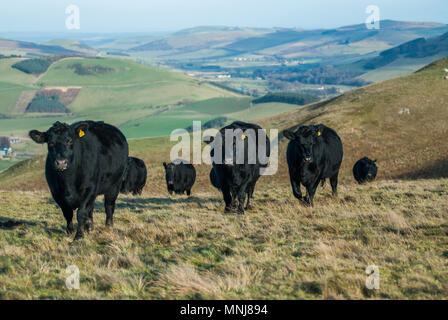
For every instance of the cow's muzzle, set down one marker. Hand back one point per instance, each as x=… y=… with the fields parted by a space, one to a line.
x=308 y=159
x=61 y=165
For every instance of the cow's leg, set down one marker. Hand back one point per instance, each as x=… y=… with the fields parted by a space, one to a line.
x=189 y=192
x=250 y=194
x=83 y=216
x=296 y=188
x=227 y=197
x=241 y=194
x=310 y=192
x=68 y=215
x=334 y=184
x=109 y=205
x=89 y=222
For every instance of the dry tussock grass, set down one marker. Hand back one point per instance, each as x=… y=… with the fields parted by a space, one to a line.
x=173 y=248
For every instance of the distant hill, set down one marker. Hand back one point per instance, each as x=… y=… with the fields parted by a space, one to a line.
x=73 y=45
x=289 y=43
x=24 y=48
x=418 y=48
x=199 y=38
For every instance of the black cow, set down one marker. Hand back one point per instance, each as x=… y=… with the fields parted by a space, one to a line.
x=365 y=170
x=84 y=160
x=217 y=184
x=135 y=179
x=314 y=154
x=180 y=177
x=238 y=176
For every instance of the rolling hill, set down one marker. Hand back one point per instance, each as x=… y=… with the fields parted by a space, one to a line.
x=341 y=44
x=117 y=90
x=73 y=45
x=8 y=47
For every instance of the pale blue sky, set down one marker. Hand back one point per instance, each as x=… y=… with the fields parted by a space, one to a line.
x=169 y=15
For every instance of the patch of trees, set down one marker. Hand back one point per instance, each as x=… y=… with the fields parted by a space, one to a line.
x=287 y=97
x=33 y=66
x=87 y=70
x=47 y=104
x=322 y=75
x=214 y=123
x=2 y=56
x=4 y=116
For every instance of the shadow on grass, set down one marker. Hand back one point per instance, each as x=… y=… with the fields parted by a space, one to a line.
x=162 y=203
x=437 y=170
x=8 y=224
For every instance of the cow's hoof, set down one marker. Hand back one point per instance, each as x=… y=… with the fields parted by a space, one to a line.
x=79 y=236
x=240 y=210
x=89 y=226
x=249 y=207
x=109 y=224
x=306 y=202
x=228 y=210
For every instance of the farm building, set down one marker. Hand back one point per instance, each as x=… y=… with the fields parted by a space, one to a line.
x=5 y=147
x=5 y=152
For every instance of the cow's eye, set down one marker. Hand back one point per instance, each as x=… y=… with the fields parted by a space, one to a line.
x=69 y=142
x=51 y=145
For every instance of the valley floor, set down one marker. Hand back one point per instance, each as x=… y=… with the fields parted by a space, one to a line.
x=181 y=248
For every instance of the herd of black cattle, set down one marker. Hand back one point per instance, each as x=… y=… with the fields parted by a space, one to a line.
x=88 y=159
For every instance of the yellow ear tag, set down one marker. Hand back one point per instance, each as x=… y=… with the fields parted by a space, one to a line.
x=81 y=133
x=319 y=134
x=244 y=137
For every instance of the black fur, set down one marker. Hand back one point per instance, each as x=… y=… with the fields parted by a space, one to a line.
x=180 y=177
x=136 y=175
x=84 y=160
x=214 y=179
x=365 y=170
x=314 y=154
x=237 y=180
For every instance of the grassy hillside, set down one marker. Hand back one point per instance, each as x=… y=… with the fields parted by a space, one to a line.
x=370 y=123
x=178 y=248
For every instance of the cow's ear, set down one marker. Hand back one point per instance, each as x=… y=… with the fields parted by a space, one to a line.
x=319 y=128
x=39 y=137
x=81 y=130
x=164 y=165
x=375 y=161
x=208 y=139
x=289 y=134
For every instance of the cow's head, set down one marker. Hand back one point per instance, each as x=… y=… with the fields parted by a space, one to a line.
x=61 y=140
x=370 y=169
x=306 y=137
x=169 y=173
